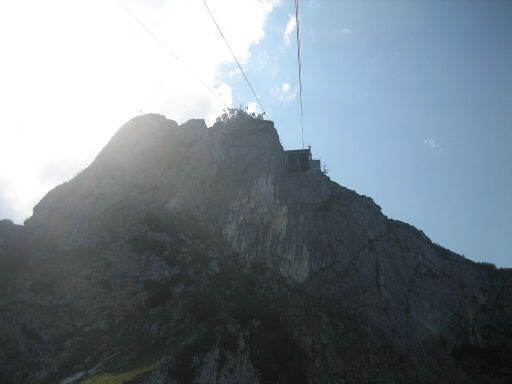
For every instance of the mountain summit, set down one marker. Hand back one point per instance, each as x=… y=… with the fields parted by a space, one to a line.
x=192 y=254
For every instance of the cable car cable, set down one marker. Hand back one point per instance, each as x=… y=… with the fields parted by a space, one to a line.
x=299 y=62
x=170 y=51
x=236 y=60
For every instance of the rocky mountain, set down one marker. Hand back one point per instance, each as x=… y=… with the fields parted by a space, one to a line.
x=187 y=254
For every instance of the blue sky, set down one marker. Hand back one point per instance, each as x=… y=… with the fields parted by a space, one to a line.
x=409 y=103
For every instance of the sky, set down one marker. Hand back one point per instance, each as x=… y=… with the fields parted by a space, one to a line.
x=408 y=102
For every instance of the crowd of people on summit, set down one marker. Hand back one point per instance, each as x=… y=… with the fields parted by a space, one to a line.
x=241 y=111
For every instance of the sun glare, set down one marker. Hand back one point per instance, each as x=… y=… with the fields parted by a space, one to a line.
x=72 y=72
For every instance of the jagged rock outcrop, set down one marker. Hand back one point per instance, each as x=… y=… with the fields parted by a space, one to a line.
x=230 y=177
x=190 y=254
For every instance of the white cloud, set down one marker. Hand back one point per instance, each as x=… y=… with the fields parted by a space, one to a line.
x=285 y=92
x=73 y=72
x=289 y=29
x=432 y=144
x=345 y=31
x=253 y=107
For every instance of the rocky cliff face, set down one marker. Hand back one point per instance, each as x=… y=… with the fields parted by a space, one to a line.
x=190 y=254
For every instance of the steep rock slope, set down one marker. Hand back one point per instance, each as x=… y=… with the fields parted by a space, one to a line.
x=230 y=177
x=190 y=254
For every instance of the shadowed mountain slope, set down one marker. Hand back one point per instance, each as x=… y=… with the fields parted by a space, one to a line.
x=190 y=254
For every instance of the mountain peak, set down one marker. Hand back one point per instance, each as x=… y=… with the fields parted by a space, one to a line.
x=192 y=254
